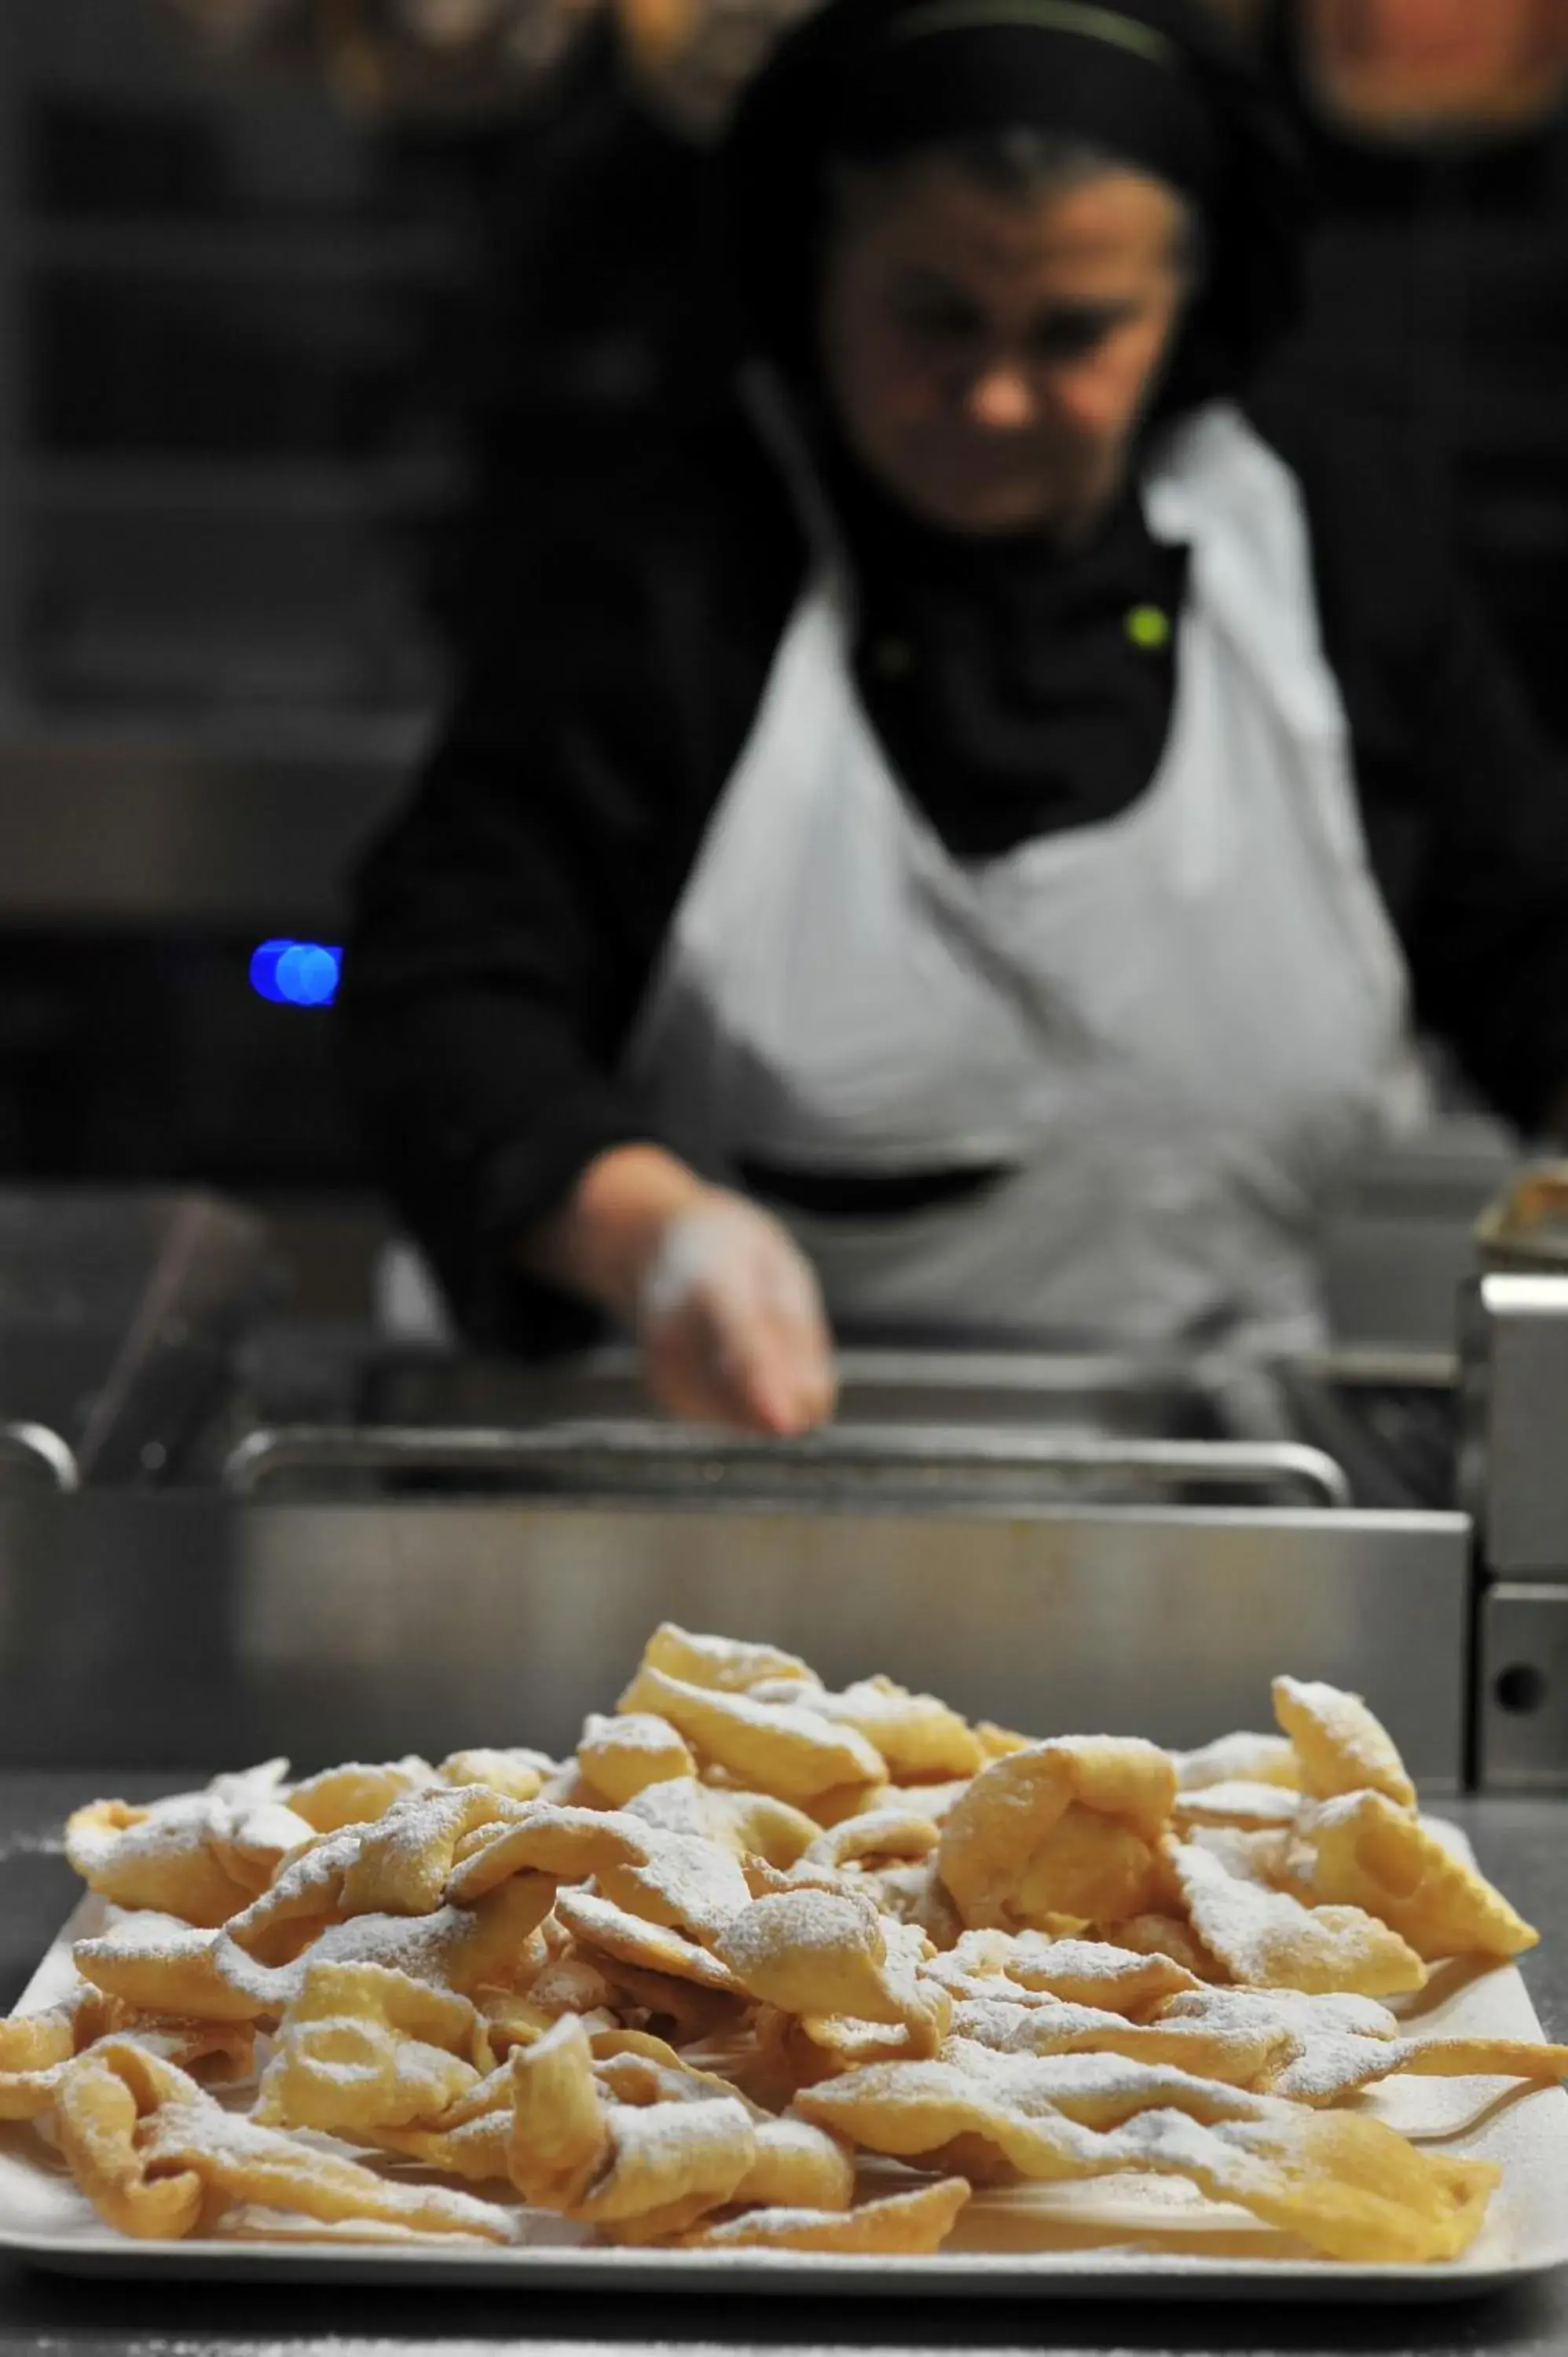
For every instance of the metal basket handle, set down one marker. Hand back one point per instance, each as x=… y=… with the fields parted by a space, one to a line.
x=605 y=1456
x=39 y=1455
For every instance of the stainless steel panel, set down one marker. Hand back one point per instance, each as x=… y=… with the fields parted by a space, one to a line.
x=181 y=1630
x=1516 y=1465
x=1400 y=1245
x=1522 y=1689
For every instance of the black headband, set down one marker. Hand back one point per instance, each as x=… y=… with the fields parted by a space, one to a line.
x=1085 y=18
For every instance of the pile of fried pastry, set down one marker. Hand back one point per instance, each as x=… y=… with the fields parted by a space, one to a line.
x=771 y=1966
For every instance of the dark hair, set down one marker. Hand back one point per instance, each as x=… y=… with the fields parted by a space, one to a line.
x=1021 y=162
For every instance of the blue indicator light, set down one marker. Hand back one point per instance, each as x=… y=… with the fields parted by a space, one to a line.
x=296 y=974
x=308 y=973
x=264 y=970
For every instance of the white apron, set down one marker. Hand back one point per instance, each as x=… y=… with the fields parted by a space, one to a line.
x=1173 y=1029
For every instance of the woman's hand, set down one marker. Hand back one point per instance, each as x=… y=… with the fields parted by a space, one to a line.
x=732 y=1323
x=723 y=1303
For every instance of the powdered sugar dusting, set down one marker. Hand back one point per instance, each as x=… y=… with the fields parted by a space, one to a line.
x=1265 y=1937
x=807 y=1921
x=1250 y=1759
x=678 y=1804
x=1342 y=1746
x=1035 y=2084
x=633 y=1730
x=1239 y=1803
x=143 y=1931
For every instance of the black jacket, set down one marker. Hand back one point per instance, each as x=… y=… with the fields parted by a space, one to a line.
x=508 y=922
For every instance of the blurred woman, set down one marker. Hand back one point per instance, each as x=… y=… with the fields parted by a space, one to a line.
x=1436 y=139
x=957 y=850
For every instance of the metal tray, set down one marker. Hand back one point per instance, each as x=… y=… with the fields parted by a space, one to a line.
x=1067 y=2242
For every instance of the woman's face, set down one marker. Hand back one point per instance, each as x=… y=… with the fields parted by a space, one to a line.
x=989 y=355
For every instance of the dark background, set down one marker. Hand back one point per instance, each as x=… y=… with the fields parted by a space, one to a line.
x=269 y=364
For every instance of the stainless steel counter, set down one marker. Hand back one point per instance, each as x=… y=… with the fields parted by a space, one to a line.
x=169 y=1628
x=1523 y=1842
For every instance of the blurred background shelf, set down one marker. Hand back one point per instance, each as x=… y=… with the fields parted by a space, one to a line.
x=233 y=325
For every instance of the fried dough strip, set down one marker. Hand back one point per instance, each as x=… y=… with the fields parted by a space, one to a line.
x=1067 y=1827
x=792 y=2162
x=1342 y=1748
x=622 y=1756
x=727 y=1664
x=477 y=2151
x=916 y=1895
x=748 y=1824
x=1339 y=2180
x=1167 y=1936
x=160 y=1966
x=245 y=2163
x=1079 y=1972
x=899 y=2225
x=1343 y=2182
x=518 y=1774
x=404 y=1859
x=364 y=2047
x=1267 y=1940
x=918 y=1735
x=604 y=1929
x=1324 y=2076
x=1363 y=1850
x=1237 y=2057
x=879 y=1833
x=638 y=2171
x=1028 y=2107
x=784 y=1748
x=668 y=2165
x=397 y=1864
x=1332 y=2045
x=684 y=1881
x=558 y=2137
x=1238 y=1759
x=797 y=2167
x=1251 y=1807
x=471 y=2139
x=817 y=1953
x=101 y=2100
x=187 y=1857
x=357 y=1793
x=156 y=2154
x=35 y=2046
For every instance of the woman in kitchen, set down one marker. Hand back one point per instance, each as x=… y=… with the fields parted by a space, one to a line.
x=961 y=851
